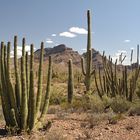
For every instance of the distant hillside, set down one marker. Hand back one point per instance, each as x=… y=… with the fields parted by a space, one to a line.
x=61 y=54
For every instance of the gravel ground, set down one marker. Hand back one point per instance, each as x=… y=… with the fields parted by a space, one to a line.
x=80 y=126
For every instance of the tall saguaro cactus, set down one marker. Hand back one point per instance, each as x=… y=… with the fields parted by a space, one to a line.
x=21 y=108
x=87 y=68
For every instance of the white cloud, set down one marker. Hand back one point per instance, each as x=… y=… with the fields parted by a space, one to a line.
x=84 y=49
x=67 y=34
x=127 y=41
x=78 y=30
x=19 y=51
x=49 y=41
x=53 y=34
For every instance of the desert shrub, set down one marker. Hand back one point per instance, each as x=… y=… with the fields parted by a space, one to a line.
x=106 y=100
x=114 y=118
x=57 y=96
x=120 y=105
x=95 y=119
x=86 y=102
x=135 y=109
x=96 y=103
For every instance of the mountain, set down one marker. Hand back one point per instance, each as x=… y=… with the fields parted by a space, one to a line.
x=61 y=55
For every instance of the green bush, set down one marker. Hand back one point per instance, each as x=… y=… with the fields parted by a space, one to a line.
x=85 y=103
x=135 y=109
x=120 y=105
x=58 y=96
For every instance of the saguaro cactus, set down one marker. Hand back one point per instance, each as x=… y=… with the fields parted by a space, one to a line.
x=87 y=68
x=18 y=96
x=70 y=81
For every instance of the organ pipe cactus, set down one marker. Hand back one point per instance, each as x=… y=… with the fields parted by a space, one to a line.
x=118 y=83
x=19 y=103
x=70 y=81
x=87 y=68
x=40 y=76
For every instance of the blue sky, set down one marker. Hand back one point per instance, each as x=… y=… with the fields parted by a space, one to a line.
x=115 y=23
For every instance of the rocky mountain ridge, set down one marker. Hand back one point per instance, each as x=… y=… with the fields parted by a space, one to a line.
x=61 y=55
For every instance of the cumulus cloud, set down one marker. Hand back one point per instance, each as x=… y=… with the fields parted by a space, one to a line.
x=78 y=30
x=53 y=34
x=19 y=51
x=49 y=41
x=67 y=34
x=127 y=41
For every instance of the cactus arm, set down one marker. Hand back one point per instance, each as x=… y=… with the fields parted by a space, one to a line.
x=13 y=118
x=27 y=75
x=4 y=97
x=92 y=73
x=96 y=84
x=32 y=109
x=83 y=66
x=48 y=89
x=17 y=78
x=24 y=104
x=39 y=92
x=100 y=80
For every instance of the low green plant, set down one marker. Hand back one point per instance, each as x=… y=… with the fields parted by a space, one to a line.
x=58 y=96
x=120 y=105
x=135 y=109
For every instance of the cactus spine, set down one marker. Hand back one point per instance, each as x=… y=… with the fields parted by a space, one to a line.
x=70 y=81
x=18 y=96
x=87 y=69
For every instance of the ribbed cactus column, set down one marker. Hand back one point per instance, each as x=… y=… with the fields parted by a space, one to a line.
x=17 y=78
x=27 y=75
x=70 y=81
x=18 y=96
x=24 y=104
x=32 y=105
x=87 y=69
x=40 y=76
x=48 y=90
x=4 y=97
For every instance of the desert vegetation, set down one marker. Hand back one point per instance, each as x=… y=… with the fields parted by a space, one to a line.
x=36 y=96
